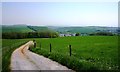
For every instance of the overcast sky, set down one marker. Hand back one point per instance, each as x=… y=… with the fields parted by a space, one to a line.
x=60 y=13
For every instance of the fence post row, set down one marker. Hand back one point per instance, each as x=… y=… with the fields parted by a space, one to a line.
x=69 y=48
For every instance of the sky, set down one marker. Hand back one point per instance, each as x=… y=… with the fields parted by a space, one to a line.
x=60 y=13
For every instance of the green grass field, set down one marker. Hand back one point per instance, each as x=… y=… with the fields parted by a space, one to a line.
x=88 y=52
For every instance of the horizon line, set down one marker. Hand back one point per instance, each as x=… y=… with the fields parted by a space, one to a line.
x=62 y=25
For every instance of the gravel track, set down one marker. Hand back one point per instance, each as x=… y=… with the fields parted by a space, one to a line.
x=23 y=59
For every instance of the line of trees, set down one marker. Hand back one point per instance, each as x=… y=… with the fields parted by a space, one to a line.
x=16 y=35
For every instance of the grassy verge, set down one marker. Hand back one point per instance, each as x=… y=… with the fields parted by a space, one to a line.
x=8 y=46
x=88 y=52
x=69 y=61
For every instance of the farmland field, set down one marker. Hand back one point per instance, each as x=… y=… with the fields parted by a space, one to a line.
x=88 y=52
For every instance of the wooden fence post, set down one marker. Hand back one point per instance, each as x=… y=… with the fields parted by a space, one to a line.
x=70 y=49
x=50 y=47
x=34 y=43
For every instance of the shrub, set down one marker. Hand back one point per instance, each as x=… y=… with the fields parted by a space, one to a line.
x=77 y=34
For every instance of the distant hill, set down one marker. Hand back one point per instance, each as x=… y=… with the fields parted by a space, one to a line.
x=24 y=28
x=39 y=28
x=15 y=28
x=87 y=29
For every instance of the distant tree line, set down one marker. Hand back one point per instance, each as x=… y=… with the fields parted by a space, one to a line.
x=16 y=35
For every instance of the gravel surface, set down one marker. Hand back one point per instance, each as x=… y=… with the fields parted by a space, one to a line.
x=23 y=59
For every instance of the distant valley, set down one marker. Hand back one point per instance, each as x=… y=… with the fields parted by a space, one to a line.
x=77 y=29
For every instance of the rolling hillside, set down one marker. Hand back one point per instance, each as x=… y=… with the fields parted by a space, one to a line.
x=40 y=28
x=24 y=28
x=16 y=28
x=87 y=29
